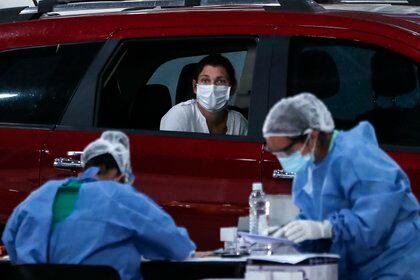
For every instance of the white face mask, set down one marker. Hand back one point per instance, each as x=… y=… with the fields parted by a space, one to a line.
x=213 y=98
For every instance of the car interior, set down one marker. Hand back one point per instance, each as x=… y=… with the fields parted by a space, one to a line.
x=356 y=83
x=391 y=84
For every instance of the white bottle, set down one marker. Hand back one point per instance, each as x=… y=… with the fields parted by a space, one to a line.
x=258 y=210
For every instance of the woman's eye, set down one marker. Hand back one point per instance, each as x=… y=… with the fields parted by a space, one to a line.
x=221 y=82
x=205 y=81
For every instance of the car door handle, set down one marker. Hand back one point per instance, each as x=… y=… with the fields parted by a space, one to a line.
x=67 y=163
x=281 y=174
x=74 y=153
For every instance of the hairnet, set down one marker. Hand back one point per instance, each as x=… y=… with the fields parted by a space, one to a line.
x=114 y=143
x=115 y=136
x=296 y=115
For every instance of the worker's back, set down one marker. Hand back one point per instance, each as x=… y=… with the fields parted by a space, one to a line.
x=111 y=224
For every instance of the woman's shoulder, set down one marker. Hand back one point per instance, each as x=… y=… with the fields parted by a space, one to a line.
x=237 y=123
x=183 y=107
x=237 y=116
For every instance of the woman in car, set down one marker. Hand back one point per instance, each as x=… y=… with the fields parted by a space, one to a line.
x=214 y=83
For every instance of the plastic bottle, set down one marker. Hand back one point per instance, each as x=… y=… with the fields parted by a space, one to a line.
x=258 y=210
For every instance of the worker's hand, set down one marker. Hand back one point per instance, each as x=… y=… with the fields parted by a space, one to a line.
x=301 y=230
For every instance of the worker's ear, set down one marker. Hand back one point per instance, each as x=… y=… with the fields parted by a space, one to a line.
x=314 y=135
x=313 y=138
x=120 y=178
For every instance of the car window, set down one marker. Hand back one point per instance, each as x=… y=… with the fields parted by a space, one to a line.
x=360 y=82
x=148 y=77
x=37 y=83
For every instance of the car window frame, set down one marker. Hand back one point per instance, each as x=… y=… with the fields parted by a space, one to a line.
x=79 y=111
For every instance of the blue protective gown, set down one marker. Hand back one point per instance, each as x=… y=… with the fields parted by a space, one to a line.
x=367 y=198
x=111 y=224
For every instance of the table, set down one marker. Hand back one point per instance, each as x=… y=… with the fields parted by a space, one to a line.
x=211 y=267
x=193 y=269
x=5 y=268
x=314 y=267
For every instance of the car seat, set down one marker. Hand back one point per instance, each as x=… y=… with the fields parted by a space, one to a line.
x=113 y=105
x=394 y=76
x=149 y=105
x=184 y=88
x=315 y=71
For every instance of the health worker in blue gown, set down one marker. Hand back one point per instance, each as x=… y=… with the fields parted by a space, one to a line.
x=97 y=218
x=354 y=200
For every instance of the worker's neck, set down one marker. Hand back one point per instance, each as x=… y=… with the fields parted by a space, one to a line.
x=106 y=176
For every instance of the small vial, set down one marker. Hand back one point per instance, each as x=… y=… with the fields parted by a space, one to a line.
x=229 y=238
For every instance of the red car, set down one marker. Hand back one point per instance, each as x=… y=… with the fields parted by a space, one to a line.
x=70 y=71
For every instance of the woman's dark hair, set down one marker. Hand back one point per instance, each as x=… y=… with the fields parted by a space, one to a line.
x=217 y=60
x=105 y=162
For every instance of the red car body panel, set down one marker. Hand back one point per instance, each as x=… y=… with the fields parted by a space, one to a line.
x=190 y=22
x=20 y=155
x=209 y=178
x=189 y=177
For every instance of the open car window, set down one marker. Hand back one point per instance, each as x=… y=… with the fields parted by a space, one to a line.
x=146 y=78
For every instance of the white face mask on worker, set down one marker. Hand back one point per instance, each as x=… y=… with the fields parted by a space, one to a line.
x=213 y=98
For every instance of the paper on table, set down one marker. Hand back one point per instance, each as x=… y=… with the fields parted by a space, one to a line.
x=292 y=258
x=261 y=239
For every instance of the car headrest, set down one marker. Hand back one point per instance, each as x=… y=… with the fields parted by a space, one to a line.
x=184 y=89
x=392 y=75
x=315 y=72
x=149 y=106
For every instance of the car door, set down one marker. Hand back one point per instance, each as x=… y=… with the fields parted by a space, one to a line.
x=202 y=180
x=356 y=83
x=35 y=85
x=19 y=164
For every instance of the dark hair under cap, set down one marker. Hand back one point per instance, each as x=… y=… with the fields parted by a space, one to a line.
x=214 y=60
x=105 y=162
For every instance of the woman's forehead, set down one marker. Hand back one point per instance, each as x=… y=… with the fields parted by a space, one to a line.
x=214 y=71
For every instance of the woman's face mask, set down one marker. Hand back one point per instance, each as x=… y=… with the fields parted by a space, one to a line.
x=213 y=98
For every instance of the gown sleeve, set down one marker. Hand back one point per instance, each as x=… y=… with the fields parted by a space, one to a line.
x=10 y=232
x=156 y=234
x=375 y=187
x=312 y=246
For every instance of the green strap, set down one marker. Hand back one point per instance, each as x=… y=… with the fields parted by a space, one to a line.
x=64 y=202
x=334 y=136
